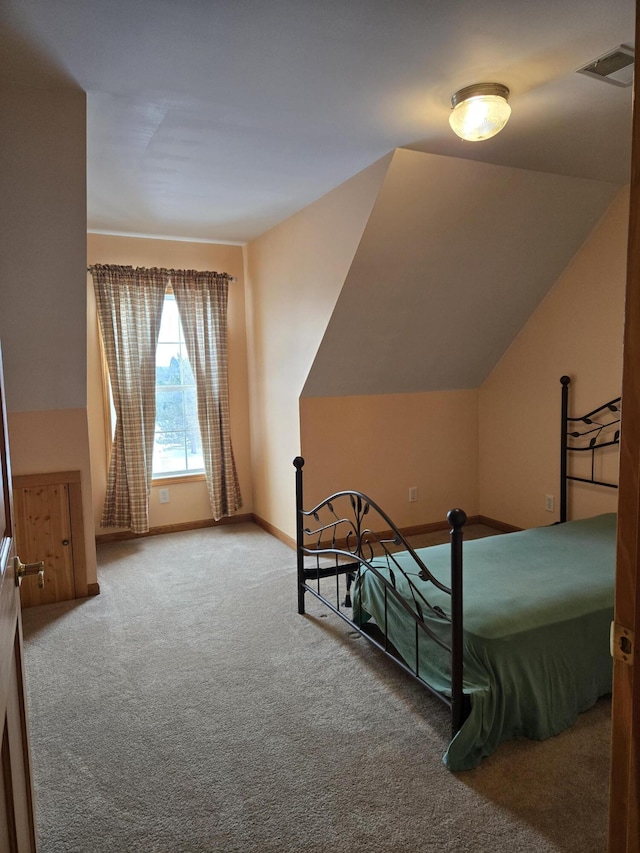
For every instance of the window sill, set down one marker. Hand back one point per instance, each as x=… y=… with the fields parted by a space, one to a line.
x=178 y=478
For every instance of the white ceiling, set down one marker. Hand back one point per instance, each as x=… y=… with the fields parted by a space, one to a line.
x=216 y=119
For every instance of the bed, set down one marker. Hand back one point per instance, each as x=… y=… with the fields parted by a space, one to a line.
x=526 y=648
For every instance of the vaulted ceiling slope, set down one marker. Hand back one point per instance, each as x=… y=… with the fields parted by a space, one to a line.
x=453 y=260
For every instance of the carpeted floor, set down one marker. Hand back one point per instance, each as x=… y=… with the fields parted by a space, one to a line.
x=190 y=709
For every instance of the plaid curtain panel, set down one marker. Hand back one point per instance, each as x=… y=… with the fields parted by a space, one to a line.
x=202 y=299
x=129 y=311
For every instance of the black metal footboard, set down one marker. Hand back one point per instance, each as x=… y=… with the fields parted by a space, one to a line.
x=348 y=534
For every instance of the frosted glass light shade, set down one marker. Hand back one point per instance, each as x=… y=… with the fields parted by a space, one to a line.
x=479 y=111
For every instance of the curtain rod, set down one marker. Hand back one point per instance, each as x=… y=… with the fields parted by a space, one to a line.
x=168 y=272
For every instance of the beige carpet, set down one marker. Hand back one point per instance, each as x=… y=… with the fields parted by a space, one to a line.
x=189 y=708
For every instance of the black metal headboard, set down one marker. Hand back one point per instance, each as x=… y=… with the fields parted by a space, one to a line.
x=602 y=430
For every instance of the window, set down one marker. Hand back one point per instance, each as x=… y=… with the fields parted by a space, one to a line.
x=177 y=446
x=143 y=315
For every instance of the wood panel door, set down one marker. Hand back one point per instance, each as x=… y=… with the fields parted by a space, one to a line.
x=43 y=532
x=49 y=526
x=624 y=823
x=17 y=825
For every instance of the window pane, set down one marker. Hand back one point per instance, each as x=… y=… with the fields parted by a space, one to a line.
x=170 y=324
x=169 y=454
x=168 y=365
x=177 y=444
x=169 y=410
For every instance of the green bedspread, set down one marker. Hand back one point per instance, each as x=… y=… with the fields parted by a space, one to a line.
x=537 y=611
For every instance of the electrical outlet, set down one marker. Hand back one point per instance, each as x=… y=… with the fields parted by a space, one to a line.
x=163 y=496
x=549 y=503
x=413 y=494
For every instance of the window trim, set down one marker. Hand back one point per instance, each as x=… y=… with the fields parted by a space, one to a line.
x=172 y=480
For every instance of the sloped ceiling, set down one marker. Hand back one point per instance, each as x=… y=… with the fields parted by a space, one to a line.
x=453 y=260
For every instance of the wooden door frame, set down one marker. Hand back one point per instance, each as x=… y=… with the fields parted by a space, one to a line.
x=624 y=828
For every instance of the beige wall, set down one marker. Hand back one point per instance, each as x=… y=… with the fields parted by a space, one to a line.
x=455 y=251
x=384 y=444
x=294 y=274
x=42 y=281
x=576 y=330
x=43 y=204
x=481 y=449
x=188 y=500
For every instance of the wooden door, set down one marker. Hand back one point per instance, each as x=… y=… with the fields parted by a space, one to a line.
x=49 y=526
x=17 y=826
x=43 y=532
x=624 y=826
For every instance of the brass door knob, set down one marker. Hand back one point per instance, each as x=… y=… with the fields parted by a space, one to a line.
x=24 y=570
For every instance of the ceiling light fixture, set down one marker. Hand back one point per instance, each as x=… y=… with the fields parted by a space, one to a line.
x=479 y=111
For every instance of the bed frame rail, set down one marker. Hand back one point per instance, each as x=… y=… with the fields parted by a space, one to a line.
x=348 y=534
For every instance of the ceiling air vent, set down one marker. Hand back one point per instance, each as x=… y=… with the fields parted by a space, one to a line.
x=614 y=67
